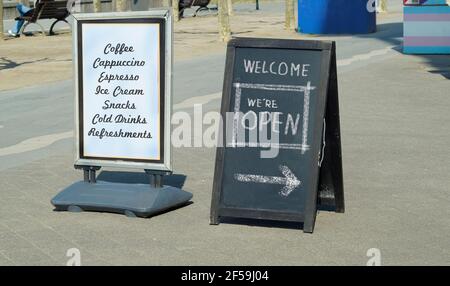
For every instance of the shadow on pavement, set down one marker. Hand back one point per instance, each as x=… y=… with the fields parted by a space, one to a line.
x=392 y=33
x=9 y=64
x=262 y=223
x=174 y=180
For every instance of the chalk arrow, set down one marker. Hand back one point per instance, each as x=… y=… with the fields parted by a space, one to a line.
x=289 y=180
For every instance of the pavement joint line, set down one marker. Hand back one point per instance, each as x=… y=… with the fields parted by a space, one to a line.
x=39 y=142
x=35 y=143
x=30 y=242
x=202 y=99
x=366 y=56
x=6 y=257
x=75 y=244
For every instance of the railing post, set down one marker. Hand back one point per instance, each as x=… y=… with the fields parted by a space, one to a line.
x=176 y=10
x=1 y=19
x=290 y=15
x=97 y=6
x=224 y=21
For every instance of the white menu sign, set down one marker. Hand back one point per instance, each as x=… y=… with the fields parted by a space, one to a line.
x=121 y=91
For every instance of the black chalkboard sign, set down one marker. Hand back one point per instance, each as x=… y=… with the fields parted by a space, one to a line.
x=275 y=113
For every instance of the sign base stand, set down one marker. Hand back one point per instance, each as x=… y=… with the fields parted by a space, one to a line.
x=133 y=200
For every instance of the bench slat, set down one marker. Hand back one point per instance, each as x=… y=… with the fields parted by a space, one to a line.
x=48 y=9
x=54 y=5
x=53 y=9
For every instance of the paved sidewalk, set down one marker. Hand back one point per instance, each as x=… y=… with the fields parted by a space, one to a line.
x=41 y=59
x=37 y=59
x=396 y=160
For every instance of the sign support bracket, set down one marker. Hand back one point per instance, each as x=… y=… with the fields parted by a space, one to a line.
x=133 y=200
x=89 y=173
x=156 y=178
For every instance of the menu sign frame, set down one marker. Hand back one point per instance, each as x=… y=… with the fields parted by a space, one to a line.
x=123 y=65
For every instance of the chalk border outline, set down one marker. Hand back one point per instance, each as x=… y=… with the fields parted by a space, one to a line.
x=275 y=87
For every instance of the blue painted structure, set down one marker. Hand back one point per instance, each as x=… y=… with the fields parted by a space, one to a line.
x=336 y=17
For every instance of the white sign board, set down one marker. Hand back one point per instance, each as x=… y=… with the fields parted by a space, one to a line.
x=123 y=89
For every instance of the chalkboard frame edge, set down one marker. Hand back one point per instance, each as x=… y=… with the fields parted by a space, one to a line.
x=261 y=214
x=311 y=200
x=220 y=152
x=310 y=212
x=272 y=43
x=336 y=148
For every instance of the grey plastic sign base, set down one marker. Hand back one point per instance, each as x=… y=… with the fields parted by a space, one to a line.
x=141 y=200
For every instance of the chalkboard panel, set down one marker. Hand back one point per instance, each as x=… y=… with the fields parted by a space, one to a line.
x=273 y=108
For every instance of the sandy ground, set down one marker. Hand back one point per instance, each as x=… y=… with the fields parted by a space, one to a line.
x=31 y=60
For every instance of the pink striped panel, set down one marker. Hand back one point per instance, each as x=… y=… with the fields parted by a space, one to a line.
x=427 y=17
x=426 y=41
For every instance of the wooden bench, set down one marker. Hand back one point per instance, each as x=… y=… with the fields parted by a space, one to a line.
x=201 y=4
x=45 y=9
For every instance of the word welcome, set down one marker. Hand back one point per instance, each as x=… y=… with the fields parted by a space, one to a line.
x=276 y=68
